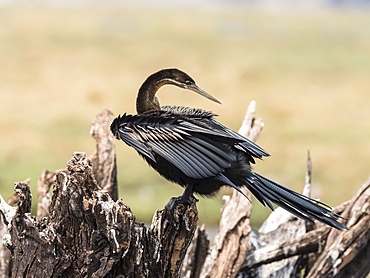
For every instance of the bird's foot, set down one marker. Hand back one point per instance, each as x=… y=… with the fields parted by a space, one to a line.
x=176 y=206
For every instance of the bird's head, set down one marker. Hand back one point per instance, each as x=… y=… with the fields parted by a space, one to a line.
x=147 y=100
x=181 y=79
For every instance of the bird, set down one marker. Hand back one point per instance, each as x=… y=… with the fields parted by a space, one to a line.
x=189 y=147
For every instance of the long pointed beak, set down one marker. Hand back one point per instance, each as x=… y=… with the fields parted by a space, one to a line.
x=198 y=90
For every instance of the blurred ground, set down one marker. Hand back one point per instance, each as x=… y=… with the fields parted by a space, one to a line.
x=308 y=71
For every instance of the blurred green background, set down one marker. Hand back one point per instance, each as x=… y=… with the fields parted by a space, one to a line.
x=308 y=70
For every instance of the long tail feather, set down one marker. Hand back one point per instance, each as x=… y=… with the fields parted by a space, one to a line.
x=298 y=204
x=225 y=180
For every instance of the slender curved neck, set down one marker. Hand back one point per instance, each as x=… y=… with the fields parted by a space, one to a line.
x=146 y=99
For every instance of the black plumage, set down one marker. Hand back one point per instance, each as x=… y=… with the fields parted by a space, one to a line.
x=187 y=146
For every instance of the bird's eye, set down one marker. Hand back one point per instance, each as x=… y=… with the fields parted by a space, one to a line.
x=188 y=82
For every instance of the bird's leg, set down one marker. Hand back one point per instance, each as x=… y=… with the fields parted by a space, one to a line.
x=171 y=207
x=187 y=193
x=184 y=198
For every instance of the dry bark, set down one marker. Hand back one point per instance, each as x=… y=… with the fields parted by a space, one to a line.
x=196 y=254
x=87 y=234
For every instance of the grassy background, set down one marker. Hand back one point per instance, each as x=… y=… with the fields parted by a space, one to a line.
x=308 y=71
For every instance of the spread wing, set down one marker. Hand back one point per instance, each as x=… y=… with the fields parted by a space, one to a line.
x=200 y=149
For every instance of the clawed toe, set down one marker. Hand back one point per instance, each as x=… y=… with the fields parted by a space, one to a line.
x=171 y=209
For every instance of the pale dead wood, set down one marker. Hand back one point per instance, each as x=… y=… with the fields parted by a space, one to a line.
x=304 y=244
x=104 y=158
x=232 y=241
x=308 y=177
x=347 y=253
x=44 y=184
x=7 y=212
x=332 y=253
x=274 y=251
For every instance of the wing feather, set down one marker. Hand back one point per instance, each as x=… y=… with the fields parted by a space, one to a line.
x=198 y=150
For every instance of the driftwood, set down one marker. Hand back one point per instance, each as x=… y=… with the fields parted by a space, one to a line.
x=82 y=229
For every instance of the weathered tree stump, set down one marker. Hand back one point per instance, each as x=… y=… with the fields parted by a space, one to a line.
x=87 y=234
